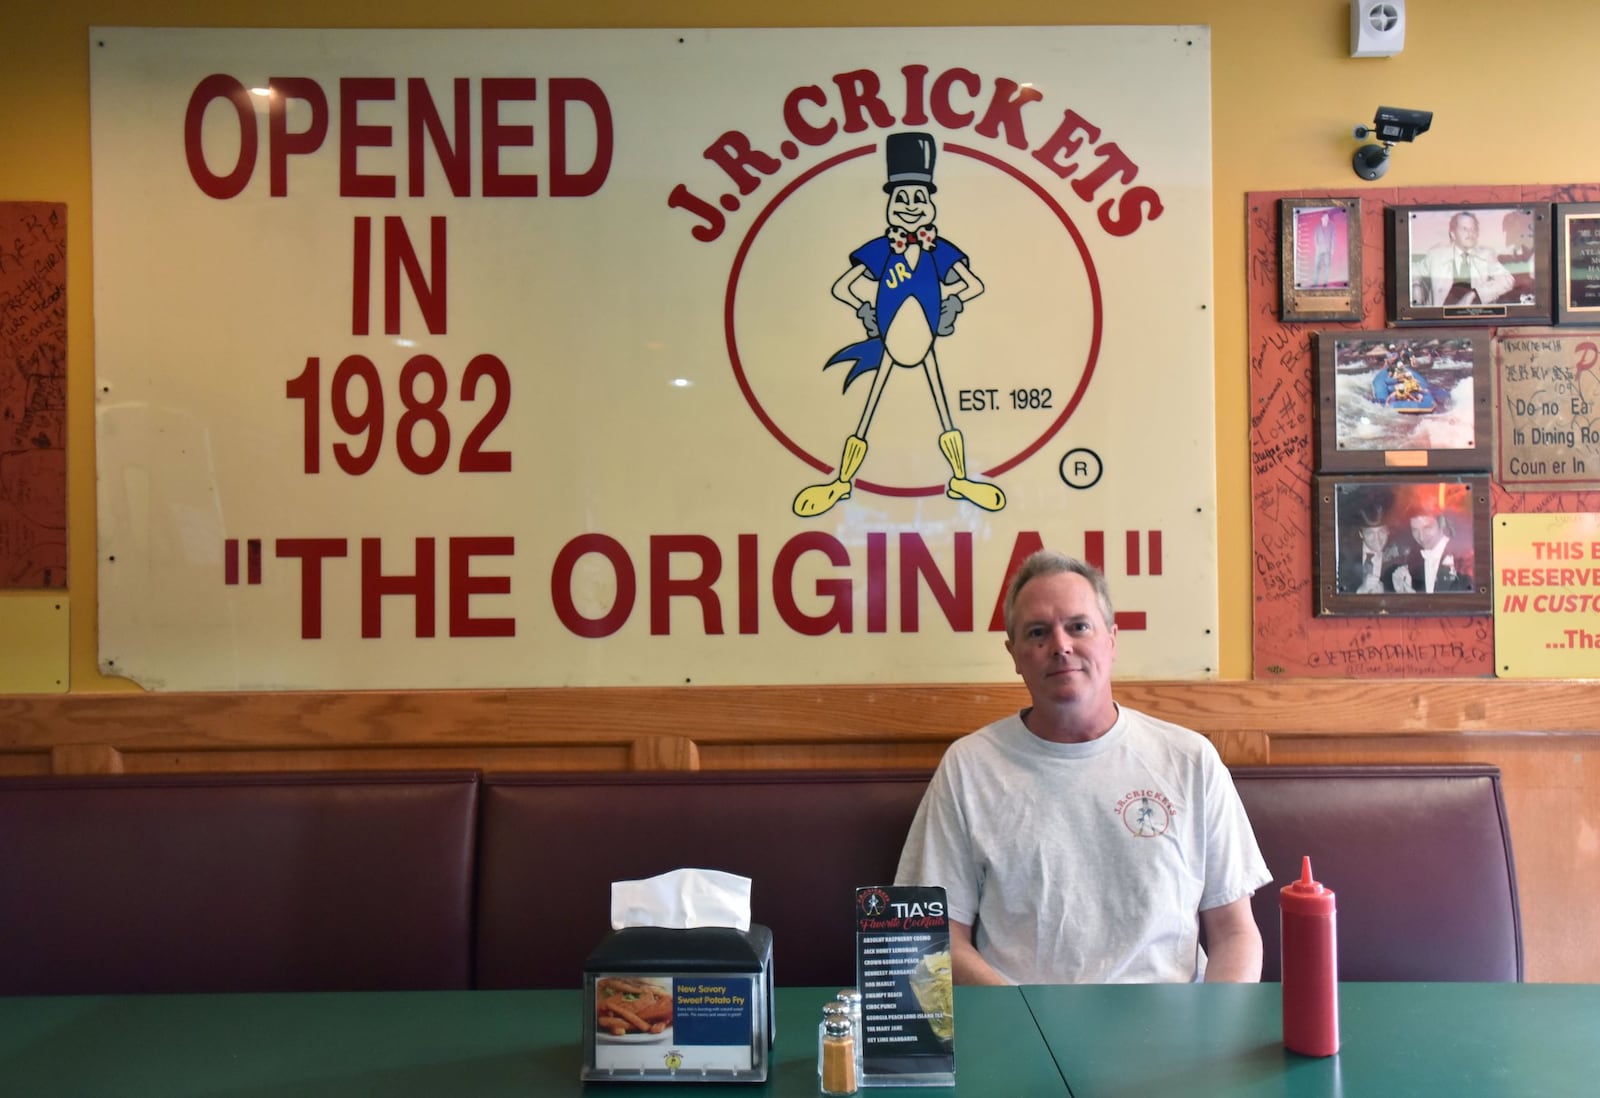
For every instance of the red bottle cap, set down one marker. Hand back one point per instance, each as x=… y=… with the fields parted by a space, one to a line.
x=1306 y=896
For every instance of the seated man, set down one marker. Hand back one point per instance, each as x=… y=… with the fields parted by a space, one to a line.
x=1077 y=840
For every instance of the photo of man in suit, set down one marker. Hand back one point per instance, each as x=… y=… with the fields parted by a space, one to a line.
x=1436 y=563
x=1368 y=561
x=1321 y=248
x=1459 y=272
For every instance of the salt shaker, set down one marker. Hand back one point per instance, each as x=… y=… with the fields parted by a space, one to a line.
x=1310 y=966
x=851 y=998
x=836 y=1051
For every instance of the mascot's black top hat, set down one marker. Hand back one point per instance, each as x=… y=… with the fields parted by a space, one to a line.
x=910 y=158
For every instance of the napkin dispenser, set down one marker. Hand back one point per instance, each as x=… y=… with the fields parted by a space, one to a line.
x=679 y=1005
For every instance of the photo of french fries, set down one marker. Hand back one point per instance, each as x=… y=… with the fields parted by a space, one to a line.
x=626 y=1007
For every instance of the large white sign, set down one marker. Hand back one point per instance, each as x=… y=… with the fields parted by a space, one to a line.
x=479 y=358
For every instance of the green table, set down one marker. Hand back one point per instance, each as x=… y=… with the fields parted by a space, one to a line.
x=1411 y=1040
x=1461 y=1040
x=475 y=1044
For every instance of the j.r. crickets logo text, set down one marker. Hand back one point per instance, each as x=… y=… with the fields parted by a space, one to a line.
x=971 y=315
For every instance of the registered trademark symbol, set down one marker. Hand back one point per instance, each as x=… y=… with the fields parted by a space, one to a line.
x=1081 y=468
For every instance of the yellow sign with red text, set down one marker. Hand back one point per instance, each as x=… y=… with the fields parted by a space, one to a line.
x=1547 y=596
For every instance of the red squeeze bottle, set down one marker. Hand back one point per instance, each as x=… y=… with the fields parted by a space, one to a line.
x=1310 y=966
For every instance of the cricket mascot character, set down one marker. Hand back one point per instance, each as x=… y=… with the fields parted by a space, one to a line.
x=907 y=286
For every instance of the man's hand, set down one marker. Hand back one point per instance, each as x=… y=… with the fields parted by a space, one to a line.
x=967 y=965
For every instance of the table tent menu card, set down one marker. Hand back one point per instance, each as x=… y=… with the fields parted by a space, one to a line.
x=907 y=997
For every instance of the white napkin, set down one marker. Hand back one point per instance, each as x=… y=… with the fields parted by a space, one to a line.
x=682 y=899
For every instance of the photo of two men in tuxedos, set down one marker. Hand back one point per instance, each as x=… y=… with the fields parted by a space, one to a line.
x=1414 y=549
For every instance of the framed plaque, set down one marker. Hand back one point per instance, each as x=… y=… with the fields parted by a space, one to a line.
x=1469 y=264
x=1403 y=400
x=1577 y=240
x=1319 y=267
x=1411 y=544
x=1547 y=408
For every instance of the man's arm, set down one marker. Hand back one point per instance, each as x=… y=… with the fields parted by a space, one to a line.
x=1233 y=944
x=967 y=966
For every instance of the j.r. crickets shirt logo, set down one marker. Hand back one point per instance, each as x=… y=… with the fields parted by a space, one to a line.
x=1146 y=813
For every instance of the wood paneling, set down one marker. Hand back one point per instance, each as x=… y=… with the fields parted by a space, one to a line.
x=728 y=726
x=1542 y=735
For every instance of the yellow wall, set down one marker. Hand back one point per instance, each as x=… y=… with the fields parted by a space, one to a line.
x=1510 y=88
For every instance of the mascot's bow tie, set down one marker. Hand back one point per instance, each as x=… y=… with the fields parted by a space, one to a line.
x=900 y=240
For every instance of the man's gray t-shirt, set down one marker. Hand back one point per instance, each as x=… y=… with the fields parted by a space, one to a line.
x=1084 y=862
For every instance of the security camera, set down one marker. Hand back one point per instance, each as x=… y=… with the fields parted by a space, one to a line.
x=1391 y=124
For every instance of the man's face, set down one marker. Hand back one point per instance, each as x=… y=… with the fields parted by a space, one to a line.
x=1064 y=647
x=910 y=208
x=1464 y=231
x=1425 y=529
x=1374 y=538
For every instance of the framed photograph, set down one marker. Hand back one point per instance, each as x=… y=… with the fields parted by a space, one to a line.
x=1319 y=267
x=1403 y=400
x=1472 y=264
x=1413 y=544
x=1577 y=262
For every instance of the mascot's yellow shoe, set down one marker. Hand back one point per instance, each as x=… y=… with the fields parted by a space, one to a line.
x=819 y=498
x=987 y=496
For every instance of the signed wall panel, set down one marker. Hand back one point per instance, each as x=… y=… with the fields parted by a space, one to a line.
x=33 y=395
x=1290 y=639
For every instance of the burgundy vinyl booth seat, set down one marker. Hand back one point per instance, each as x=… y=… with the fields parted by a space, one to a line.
x=261 y=882
x=551 y=844
x=1419 y=859
x=241 y=882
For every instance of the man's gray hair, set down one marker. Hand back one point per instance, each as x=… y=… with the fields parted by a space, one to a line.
x=1048 y=562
